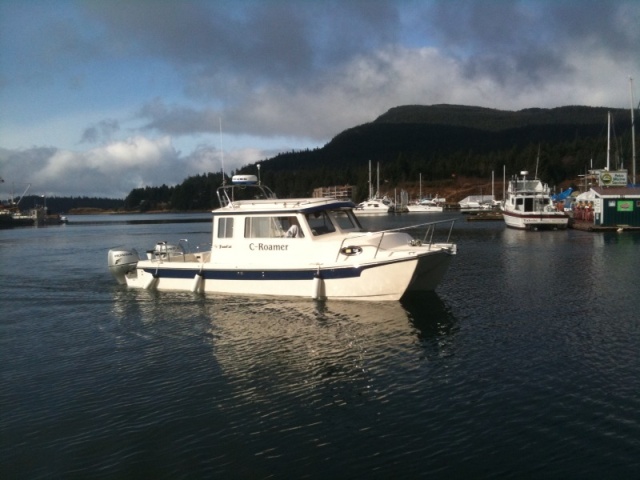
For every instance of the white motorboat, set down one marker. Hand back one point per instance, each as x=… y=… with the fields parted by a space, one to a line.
x=374 y=206
x=304 y=247
x=426 y=205
x=477 y=203
x=528 y=206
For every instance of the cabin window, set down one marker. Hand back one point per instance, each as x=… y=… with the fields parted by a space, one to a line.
x=260 y=227
x=346 y=221
x=225 y=227
x=272 y=227
x=320 y=223
x=291 y=227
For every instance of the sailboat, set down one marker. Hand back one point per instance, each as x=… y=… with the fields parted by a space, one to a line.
x=374 y=205
x=425 y=205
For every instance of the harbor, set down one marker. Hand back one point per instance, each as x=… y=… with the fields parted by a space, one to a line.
x=518 y=362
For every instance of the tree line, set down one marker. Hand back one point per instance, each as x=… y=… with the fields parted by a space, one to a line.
x=439 y=143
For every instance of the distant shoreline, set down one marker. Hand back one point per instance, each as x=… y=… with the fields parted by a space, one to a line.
x=98 y=211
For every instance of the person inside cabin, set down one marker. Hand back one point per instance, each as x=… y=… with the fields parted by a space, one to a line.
x=294 y=230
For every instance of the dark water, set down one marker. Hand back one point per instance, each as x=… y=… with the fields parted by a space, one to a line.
x=524 y=364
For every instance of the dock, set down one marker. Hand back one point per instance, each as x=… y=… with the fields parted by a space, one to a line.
x=484 y=217
x=591 y=227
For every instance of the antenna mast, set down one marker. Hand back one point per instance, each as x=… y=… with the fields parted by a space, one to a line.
x=221 y=152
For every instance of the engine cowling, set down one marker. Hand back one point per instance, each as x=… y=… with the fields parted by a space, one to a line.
x=121 y=262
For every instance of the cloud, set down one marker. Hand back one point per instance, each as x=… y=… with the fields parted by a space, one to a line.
x=283 y=41
x=111 y=170
x=177 y=119
x=529 y=42
x=130 y=81
x=358 y=91
x=114 y=169
x=102 y=132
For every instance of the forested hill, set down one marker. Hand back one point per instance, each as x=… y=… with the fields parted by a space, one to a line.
x=497 y=120
x=440 y=142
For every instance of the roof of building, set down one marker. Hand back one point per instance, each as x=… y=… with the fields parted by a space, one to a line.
x=617 y=191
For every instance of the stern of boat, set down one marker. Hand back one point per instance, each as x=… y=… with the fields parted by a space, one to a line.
x=121 y=262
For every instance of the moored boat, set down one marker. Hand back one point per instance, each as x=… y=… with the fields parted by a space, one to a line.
x=305 y=247
x=477 y=203
x=374 y=204
x=528 y=206
x=426 y=205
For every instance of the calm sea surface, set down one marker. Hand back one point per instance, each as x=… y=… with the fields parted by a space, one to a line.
x=524 y=364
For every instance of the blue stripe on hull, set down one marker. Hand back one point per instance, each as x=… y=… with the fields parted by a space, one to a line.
x=328 y=274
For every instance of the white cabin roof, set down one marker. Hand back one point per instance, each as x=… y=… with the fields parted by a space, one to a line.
x=284 y=205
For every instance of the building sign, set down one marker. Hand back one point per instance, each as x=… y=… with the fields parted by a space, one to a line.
x=625 y=206
x=612 y=179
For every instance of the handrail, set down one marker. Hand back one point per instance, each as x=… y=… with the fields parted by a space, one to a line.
x=226 y=193
x=430 y=231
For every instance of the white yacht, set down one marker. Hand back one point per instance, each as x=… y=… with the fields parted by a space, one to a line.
x=426 y=205
x=374 y=206
x=304 y=247
x=528 y=206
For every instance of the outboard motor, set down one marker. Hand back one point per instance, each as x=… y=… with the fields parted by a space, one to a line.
x=122 y=262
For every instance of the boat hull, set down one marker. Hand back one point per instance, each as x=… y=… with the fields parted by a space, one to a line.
x=536 y=221
x=388 y=280
x=424 y=209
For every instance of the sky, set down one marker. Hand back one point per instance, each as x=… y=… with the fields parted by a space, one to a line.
x=98 y=97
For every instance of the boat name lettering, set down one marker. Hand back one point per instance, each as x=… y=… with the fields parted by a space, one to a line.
x=263 y=246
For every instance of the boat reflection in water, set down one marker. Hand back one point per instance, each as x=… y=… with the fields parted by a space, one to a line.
x=266 y=346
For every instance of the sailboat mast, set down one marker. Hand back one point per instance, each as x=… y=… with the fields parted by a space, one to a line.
x=504 y=182
x=378 y=181
x=370 y=186
x=493 y=195
x=633 y=135
x=608 y=138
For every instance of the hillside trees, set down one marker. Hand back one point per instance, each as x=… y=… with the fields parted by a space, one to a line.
x=439 y=142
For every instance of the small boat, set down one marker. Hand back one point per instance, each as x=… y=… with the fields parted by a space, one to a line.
x=477 y=203
x=528 y=206
x=304 y=247
x=426 y=205
x=375 y=205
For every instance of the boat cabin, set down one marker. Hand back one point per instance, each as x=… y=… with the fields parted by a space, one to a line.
x=528 y=195
x=261 y=223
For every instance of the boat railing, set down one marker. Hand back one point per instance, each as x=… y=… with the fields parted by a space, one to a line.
x=228 y=194
x=414 y=231
x=179 y=252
